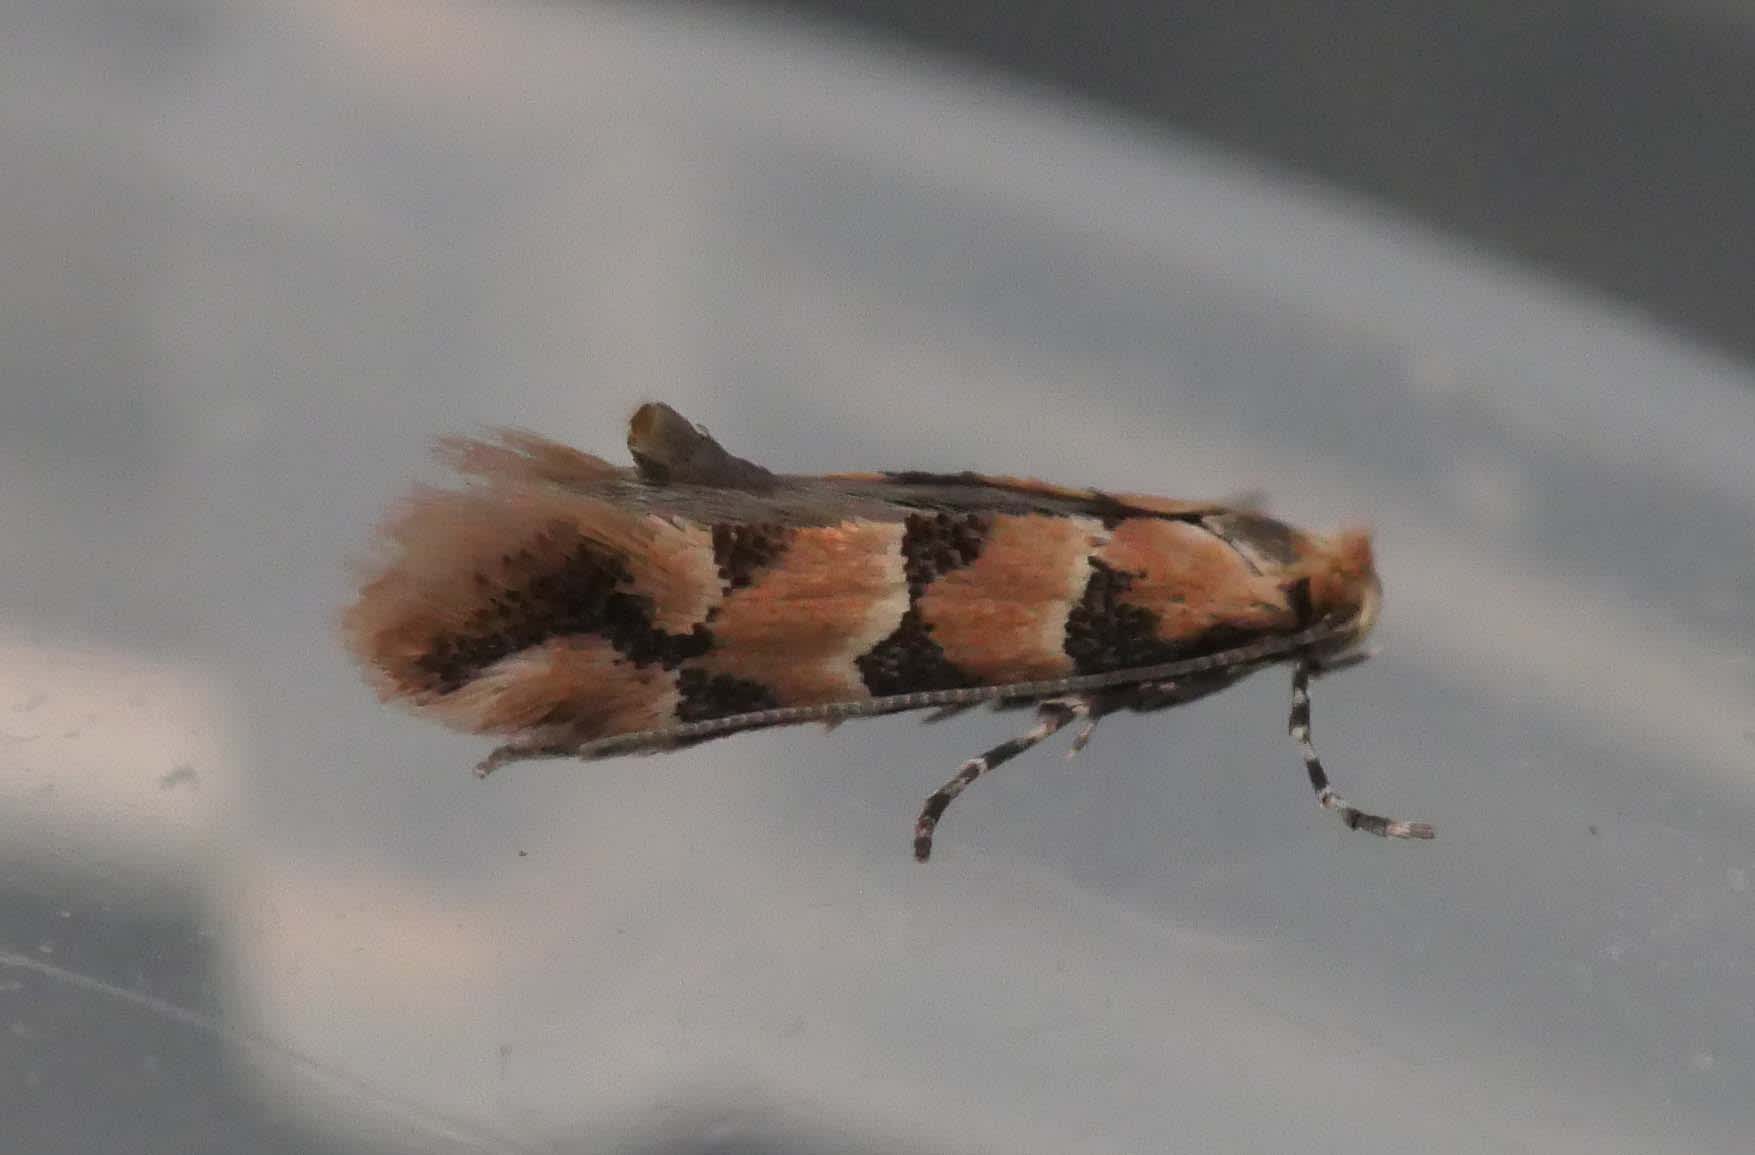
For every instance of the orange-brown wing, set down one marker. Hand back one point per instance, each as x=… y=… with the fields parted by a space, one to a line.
x=562 y=600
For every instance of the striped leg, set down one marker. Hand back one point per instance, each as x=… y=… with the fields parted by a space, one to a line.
x=1298 y=725
x=1083 y=737
x=1142 y=697
x=1050 y=716
x=1096 y=707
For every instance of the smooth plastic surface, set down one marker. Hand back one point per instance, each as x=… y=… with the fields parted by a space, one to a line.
x=259 y=259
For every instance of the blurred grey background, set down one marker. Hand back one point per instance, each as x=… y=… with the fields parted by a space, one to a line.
x=1604 y=141
x=256 y=257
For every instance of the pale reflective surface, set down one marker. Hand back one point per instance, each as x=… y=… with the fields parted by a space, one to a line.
x=259 y=261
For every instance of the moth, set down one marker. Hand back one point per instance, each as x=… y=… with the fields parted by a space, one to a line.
x=577 y=609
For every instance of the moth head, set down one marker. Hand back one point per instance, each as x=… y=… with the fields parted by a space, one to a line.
x=1344 y=589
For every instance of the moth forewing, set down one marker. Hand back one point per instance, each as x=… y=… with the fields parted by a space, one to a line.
x=578 y=609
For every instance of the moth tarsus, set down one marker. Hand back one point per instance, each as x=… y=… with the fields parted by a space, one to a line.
x=1050 y=717
x=578 y=609
x=1298 y=726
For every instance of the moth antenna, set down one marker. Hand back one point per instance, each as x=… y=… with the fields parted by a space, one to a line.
x=523 y=751
x=1298 y=726
x=1237 y=662
x=1051 y=716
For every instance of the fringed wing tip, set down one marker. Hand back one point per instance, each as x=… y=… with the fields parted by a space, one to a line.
x=415 y=574
x=511 y=454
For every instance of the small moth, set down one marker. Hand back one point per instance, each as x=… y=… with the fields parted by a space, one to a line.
x=577 y=609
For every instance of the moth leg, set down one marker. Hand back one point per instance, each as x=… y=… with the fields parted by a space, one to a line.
x=1097 y=707
x=1050 y=717
x=1298 y=725
x=1083 y=737
x=1143 y=697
